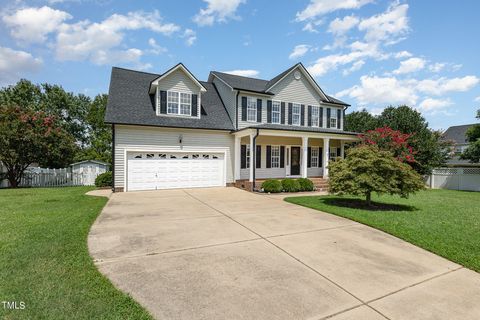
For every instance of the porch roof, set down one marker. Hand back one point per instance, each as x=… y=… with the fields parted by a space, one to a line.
x=269 y=126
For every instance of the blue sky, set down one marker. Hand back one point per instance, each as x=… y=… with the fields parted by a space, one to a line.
x=369 y=53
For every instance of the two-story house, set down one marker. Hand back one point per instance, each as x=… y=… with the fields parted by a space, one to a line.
x=458 y=137
x=171 y=130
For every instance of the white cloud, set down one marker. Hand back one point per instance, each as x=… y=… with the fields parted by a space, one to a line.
x=311 y=26
x=217 y=11
x=341 y=26
x=99 y=41
x=410 y=65
x=156 y=48
x=320 y=7
x=31 y=25
x=477 y=99
x=444 y=85
x=437 y=67
x=433 y=105
x=374 y=90
x=388 y=26
x=244 y=73
x=355 y=67
x=190 y=37
x=299 y=51
x=15 y=64
x=381 y=90
x=402 y=54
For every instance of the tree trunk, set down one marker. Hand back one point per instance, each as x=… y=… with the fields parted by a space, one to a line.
x=369 y=198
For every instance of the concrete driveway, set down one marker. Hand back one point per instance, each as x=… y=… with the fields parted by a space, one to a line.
x=224 y=253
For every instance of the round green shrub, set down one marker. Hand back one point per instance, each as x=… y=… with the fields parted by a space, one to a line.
x=290 y=185
x=305 y=184
x=104 y=180
x=272 y=186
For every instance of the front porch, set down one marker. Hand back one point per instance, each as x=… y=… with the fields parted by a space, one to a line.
x=262 y=154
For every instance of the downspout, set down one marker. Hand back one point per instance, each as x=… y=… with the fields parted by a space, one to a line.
x=236 y=110
x=254 y=163
x=113 y=157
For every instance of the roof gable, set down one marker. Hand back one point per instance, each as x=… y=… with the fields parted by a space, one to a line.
x=182 y=68
x=457 y=133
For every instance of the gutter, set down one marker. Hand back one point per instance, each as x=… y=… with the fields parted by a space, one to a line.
x=236 y=110
x=254 y=163
x=113 y=158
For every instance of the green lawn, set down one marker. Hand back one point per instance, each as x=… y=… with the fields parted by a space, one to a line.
x=445 y=222
x=44 y=260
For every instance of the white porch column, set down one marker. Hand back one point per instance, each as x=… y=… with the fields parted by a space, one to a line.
x=304 y=156
x=237 y=156
x=342 y=149
x=252 y=158
x=326 y=156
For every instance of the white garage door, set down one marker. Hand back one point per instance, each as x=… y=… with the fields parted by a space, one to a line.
x=154 y=170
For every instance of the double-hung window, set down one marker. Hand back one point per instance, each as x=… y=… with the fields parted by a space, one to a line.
x=275 y=156
x=185 y=103
x=172 y=102
x=251 y=109
x=315 y=116
x=247 y=154
x=314 y=157
x=179 y=103
x=296 y=114
x=333 y=119
x=276 y=112
x=333 y=154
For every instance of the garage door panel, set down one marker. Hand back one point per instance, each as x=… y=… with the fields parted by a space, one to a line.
x=175 y=170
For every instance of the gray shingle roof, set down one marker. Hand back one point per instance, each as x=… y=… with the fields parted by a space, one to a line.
x=130 y=103
x=298 y=128
x=457 y=133
x=242 y=83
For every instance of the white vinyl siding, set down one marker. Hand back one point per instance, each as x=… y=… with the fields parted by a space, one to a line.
x=251 y=109
x=276 y=112
x=296 y=114
x=315 y=116
x=155 y=139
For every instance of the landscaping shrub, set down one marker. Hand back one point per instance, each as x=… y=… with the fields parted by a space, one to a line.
x=290 y=185
x=272 y=186
x=104 y=180
x=306 y=184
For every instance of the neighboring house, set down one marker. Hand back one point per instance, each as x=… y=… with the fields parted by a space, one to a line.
x=457 y=134
x=172 y=131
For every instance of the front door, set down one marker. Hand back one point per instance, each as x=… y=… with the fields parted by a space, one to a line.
x=295 y=161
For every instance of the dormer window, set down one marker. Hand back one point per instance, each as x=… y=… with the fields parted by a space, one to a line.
x=179 y=103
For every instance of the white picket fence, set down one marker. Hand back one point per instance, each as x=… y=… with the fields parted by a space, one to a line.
x=467 y=179
x=41 y=177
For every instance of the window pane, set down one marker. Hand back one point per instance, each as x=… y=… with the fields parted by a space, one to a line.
x=315 y=116
x=296 y=114
x=172 y=102
x=251 y=109
x=276 y=112
x=248 y=156
x=275 y=156
x=185 y=109
x=314 y=157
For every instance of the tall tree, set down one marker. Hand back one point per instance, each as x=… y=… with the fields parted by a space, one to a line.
x=28 y=136
x=360 y=121
x=472 y=152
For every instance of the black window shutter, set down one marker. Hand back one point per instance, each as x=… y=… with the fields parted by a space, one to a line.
x=302 y=114
x=259 y=110
x=194 y=105
x=243 y=156
x=309 y=158
x=339 y=118
x=269 y=156
x=282 y=156
x=289 y=113
x=338 y=152
x=244 y=108
x=163 y=102
x=269 y=111
x=328 y=117
x=309 y=121
x=282 y=121
x=320 y=157
x=258 y=157
x=321 y=117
